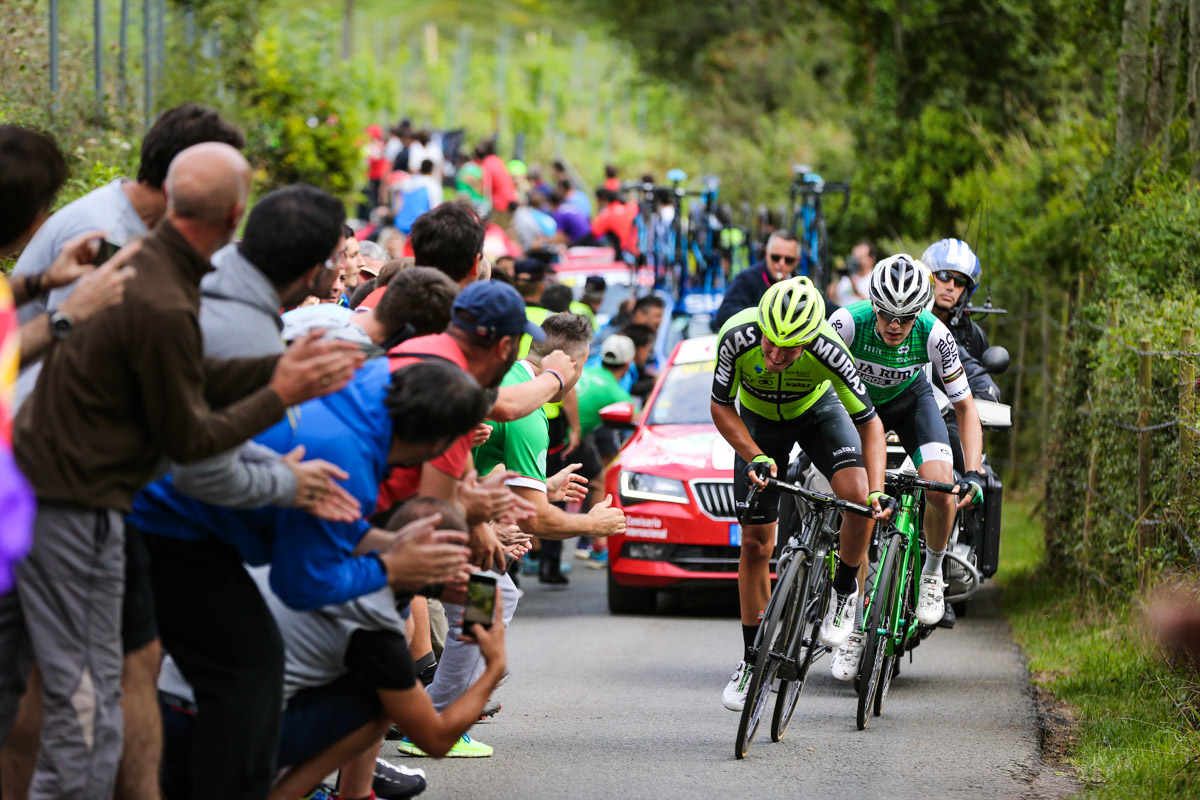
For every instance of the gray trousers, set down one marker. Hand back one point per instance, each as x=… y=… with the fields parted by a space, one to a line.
x=461 y=663
x=65 y=613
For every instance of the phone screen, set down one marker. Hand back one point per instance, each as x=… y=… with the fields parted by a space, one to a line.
x=104 y=251
x=481 y=601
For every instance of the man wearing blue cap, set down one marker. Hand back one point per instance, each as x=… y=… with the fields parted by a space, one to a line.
x=487 y=323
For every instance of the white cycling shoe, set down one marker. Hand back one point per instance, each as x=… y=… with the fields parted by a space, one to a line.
x=734 y=696
x=931 y=600
x=839 y=619
x=846 y=658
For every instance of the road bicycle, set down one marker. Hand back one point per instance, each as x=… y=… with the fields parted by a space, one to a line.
x=786 y=645
x=890 y=624
x=807 y=216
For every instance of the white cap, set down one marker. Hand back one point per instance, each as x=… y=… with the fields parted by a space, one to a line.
x=617 y=350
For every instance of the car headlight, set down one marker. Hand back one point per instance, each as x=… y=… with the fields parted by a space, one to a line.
x=641 y=487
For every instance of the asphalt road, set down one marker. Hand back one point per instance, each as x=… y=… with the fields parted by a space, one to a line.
x=600 y=706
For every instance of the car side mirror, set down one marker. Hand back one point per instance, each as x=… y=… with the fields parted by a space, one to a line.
x=995 y=360
x=618 y=415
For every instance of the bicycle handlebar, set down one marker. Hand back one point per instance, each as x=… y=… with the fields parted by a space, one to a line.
x=904 y=480
x=802 y=187
x=810 y=497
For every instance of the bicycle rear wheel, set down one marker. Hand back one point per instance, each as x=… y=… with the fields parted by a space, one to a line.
x=899 y=597
x=798 y=619
x=879 y=617
x=771 y=643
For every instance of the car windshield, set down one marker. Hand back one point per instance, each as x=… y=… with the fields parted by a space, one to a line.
x=685 y=395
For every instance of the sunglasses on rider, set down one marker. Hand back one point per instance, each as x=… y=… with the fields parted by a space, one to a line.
x=945 y=276
x=789 y=260
x=887 y=318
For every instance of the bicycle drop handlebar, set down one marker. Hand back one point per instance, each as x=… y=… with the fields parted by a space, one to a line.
x=816 y=499
x=906 y=480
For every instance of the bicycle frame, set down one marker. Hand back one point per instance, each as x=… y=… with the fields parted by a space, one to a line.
x=907 y=523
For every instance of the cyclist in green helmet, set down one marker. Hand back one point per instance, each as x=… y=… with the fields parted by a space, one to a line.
x=797 y=385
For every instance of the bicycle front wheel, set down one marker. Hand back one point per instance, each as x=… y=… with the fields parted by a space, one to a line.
x=800 y=652
x=879 y=618
x=899 y=602
x=772 y=644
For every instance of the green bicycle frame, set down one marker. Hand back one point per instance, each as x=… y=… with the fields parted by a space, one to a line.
x=906 y=524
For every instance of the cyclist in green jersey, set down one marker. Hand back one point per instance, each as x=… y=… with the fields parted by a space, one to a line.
x=894 y=338
x=797 y=385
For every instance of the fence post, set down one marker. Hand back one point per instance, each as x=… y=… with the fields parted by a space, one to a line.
x=122 y=47
x=98 y=54
x=1016 y=404
x=1187 y=406
x=1143 y=451
x=1044 y=416
x=1085 y=550
x=147 y=61
x=53 y=56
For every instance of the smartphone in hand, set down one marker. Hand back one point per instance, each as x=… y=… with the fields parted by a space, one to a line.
x=481 y=601
x=104 y=251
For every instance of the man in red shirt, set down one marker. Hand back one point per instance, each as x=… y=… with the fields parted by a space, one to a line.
x=615 y=220
x=497 y=182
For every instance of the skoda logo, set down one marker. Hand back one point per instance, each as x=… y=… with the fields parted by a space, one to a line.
x=902 y=349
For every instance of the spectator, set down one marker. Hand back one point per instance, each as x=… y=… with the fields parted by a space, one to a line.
x=352 y=263
x=855 y=285
x=611 y=181
x=87 y=443
x=344 y=667
x=588 y=304
x=614 y=224
x=574 y=230
x=497 y=183
x=122 y=211
x=373 y=258
x=522 y=447
x=557 y=298
x=198 y=552
x=532 y=225
x=575 y=198
x=450 y=238
x=749 y=285
x=419 y=193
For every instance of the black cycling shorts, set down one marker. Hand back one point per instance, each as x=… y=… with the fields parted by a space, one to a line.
x=915 y=418
x=824 y=432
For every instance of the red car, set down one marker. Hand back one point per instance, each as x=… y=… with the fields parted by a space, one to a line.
x=674 y=479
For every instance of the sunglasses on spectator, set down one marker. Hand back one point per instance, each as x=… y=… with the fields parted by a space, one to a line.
x=887 y=318
x=945 y=276
x=789 y=260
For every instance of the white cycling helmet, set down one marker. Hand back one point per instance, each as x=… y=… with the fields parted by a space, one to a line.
x=900 y=286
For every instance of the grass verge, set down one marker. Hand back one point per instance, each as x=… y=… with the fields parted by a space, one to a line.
x=1118 y=713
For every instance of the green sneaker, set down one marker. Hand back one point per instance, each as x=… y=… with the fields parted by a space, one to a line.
x=465 y=747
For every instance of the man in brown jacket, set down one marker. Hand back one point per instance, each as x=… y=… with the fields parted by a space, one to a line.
x=127 y=391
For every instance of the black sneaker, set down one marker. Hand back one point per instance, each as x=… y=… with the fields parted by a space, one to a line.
x=396 y=781
x=551 y=575
x=949 y=618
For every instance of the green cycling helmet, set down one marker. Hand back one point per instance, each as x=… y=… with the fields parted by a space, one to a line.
x=791 y=312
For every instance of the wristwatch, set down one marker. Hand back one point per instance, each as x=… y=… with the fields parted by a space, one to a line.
x=61 y=325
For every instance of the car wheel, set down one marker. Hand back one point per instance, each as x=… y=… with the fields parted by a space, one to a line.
x=629 y=599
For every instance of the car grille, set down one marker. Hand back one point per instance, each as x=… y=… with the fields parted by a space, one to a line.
x=716 y=498
x=707 y=557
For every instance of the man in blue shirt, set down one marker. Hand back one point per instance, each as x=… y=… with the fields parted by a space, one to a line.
x=197 y=550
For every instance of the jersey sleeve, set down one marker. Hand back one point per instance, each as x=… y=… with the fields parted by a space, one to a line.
x=843 y=322
x=943 y=354
x=834 y=356
x=526 y=441
x=739 y=336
